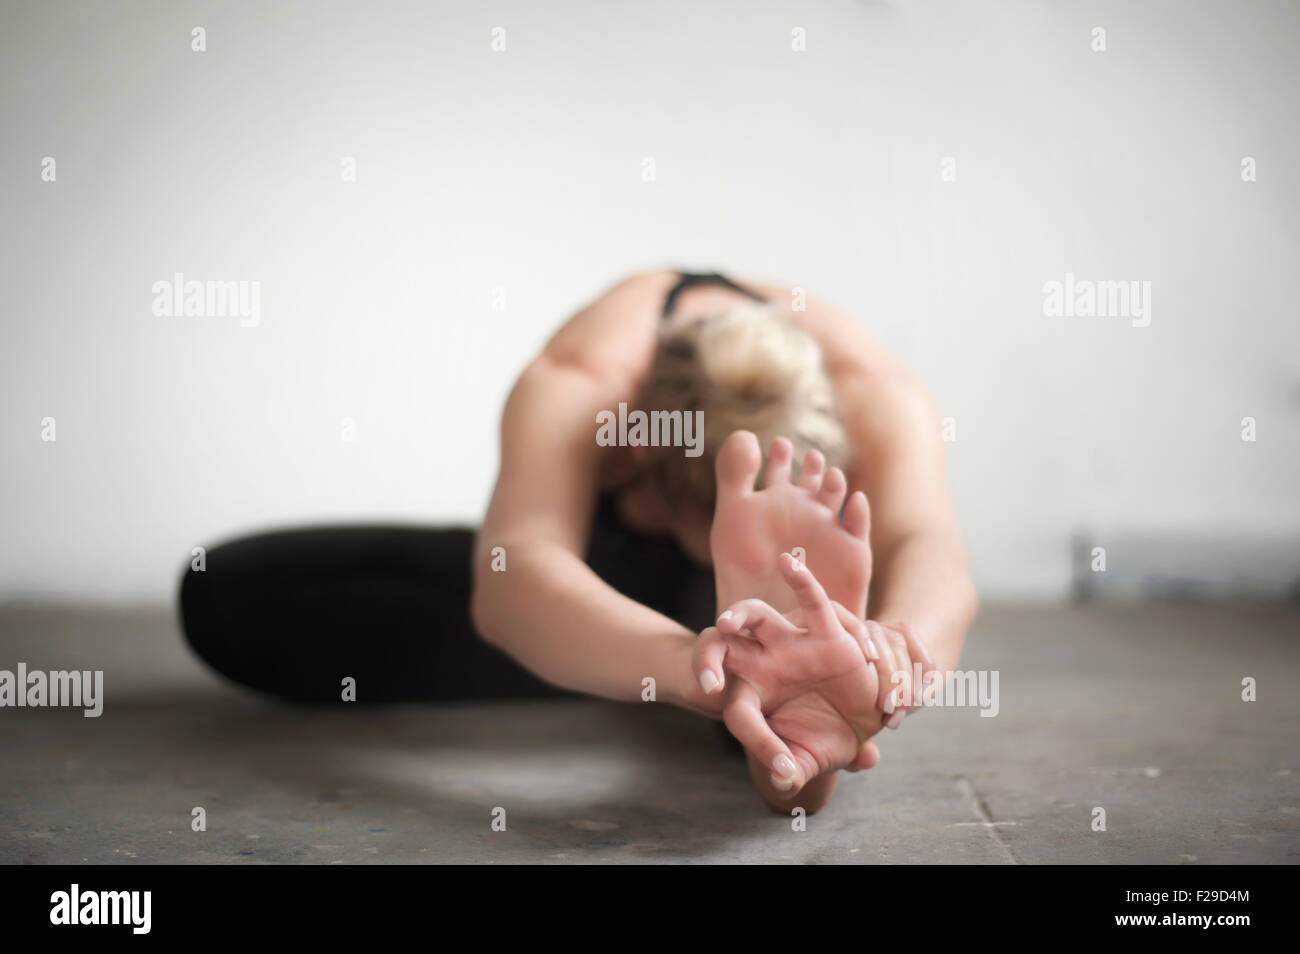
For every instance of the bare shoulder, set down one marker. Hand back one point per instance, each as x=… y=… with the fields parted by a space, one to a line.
x=617 y=332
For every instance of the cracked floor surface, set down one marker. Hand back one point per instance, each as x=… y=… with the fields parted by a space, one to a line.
x=1135 y=710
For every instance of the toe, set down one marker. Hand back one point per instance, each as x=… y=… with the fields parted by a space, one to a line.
x=833 y=489
x=857 y=516
x=810 y=475
x=739 y=460
x=779 y=457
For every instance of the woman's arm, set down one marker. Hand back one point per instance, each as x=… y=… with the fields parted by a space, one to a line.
x=547 y=609
x=921 y=574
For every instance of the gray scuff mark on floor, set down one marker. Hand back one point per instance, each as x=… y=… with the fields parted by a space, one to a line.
x=985 y=819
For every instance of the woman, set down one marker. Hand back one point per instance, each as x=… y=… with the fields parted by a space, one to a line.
x=600 y=567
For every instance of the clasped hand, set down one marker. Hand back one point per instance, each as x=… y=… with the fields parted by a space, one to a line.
x=805 y=691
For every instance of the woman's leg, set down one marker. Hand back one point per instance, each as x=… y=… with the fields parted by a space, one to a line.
x=295 y=613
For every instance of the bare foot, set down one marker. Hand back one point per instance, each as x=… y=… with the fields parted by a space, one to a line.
x=752 y=528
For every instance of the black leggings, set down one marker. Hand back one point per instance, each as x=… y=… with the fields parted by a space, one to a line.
x=294 y=613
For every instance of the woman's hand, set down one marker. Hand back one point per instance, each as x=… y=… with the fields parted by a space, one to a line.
x=901 y=651
x=804 y=694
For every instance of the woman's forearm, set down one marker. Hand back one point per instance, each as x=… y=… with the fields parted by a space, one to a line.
x=923 y=580
x=554 y=616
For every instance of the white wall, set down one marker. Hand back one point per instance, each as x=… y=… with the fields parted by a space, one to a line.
x=522 y=170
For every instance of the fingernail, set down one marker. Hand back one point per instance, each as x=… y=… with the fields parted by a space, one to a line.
x=891 y=702
x=895 y=720
x=872 y=652
x=782 y=784
x=709 y=682
x=783 y=766
x=726 y=615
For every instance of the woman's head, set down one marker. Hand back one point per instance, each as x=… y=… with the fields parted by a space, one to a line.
x=751 y=368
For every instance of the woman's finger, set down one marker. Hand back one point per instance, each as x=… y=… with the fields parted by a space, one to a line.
x=816 y=605
x=905 y=691
x=904 y=634
x=857 y=627
x=755 y=618
x=708 y=658
x=915 y=647
x=743 y=716
x=886 y=666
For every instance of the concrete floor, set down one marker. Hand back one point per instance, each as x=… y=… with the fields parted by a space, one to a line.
x=1133 y=709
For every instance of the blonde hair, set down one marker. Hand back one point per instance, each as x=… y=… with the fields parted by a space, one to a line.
x=751 y=368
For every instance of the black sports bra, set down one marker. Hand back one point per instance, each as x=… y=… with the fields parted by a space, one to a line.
x=696 y=279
